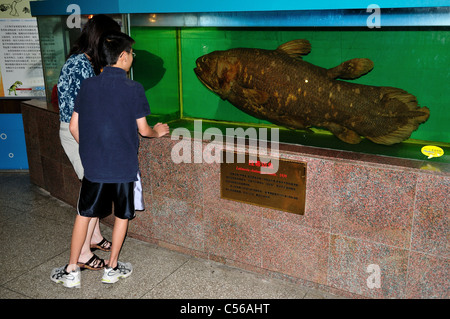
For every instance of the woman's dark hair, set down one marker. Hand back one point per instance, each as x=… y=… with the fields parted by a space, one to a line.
x=113 y=43
x=89 y=39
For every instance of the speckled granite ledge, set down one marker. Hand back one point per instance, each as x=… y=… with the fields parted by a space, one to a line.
x=361 y=210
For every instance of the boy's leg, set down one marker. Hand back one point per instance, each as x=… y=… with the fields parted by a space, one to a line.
x=116 y=269
x=124 y=211
x=69 y=275
x=80 y=230
x=118 y=236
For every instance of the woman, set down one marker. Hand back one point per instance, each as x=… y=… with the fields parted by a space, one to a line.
x=83 y=62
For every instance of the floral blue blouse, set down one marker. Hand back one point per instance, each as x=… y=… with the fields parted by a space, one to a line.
x=75 y=70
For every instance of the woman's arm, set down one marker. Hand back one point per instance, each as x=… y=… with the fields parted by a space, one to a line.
x=73 y=126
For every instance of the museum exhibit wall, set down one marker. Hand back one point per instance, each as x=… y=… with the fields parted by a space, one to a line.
x=375 y=217
x=359 y=211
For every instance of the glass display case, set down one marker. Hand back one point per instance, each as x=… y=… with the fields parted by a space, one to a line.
x=410 y=51
x=56 y=40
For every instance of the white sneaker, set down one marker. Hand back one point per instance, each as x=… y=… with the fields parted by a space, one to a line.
x=112 y=275
x=69 y=280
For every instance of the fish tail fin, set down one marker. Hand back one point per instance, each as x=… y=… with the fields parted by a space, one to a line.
x=296 y=48
x=351 y=69
x=404 y=109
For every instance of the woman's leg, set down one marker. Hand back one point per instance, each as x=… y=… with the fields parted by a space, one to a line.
x=71 y=147
x=96 y=235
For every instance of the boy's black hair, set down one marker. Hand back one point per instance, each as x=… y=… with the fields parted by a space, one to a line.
x=113 y=43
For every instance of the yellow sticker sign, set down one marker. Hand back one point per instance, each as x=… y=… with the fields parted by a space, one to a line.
x=432 y=151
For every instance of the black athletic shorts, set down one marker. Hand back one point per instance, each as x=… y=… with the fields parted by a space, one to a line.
x=96 y=199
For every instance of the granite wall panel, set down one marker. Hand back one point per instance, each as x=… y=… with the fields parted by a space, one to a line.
x=431 y=227
x=361 y=211
x=428 y=277
x=353 y=262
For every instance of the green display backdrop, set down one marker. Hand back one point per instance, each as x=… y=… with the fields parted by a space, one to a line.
x=415 y=61
x=156 y=68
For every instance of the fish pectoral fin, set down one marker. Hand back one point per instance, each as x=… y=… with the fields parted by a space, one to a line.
x=351 y=69
x=254 y=96
x=296 y=48
x=291 y=122
x=343 y=133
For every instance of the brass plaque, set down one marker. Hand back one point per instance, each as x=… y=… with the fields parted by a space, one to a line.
x=283 y=189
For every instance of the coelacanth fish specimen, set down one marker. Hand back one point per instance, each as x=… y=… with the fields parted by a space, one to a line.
x=278 y=86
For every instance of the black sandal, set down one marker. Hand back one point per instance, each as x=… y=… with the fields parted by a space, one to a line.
x=104 y=245
x=95 y=263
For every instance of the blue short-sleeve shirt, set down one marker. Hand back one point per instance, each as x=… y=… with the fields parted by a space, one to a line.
x=76 y=69
x=108 y=106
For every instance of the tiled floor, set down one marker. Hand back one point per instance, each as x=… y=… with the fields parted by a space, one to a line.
x=35 y=232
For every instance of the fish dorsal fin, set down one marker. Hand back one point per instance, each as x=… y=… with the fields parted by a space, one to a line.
x=296 y=48
x=351 y=69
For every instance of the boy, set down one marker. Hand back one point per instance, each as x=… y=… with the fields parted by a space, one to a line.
x=109 y=111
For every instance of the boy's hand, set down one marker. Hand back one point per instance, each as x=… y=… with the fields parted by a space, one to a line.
x=145 y=130
x=161 y=129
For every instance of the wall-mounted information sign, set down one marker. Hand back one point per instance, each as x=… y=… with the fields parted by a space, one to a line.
x=283 y=190
x=21 y=74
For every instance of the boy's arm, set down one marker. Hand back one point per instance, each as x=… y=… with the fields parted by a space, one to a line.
x=145 y=130
x=73 y=126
